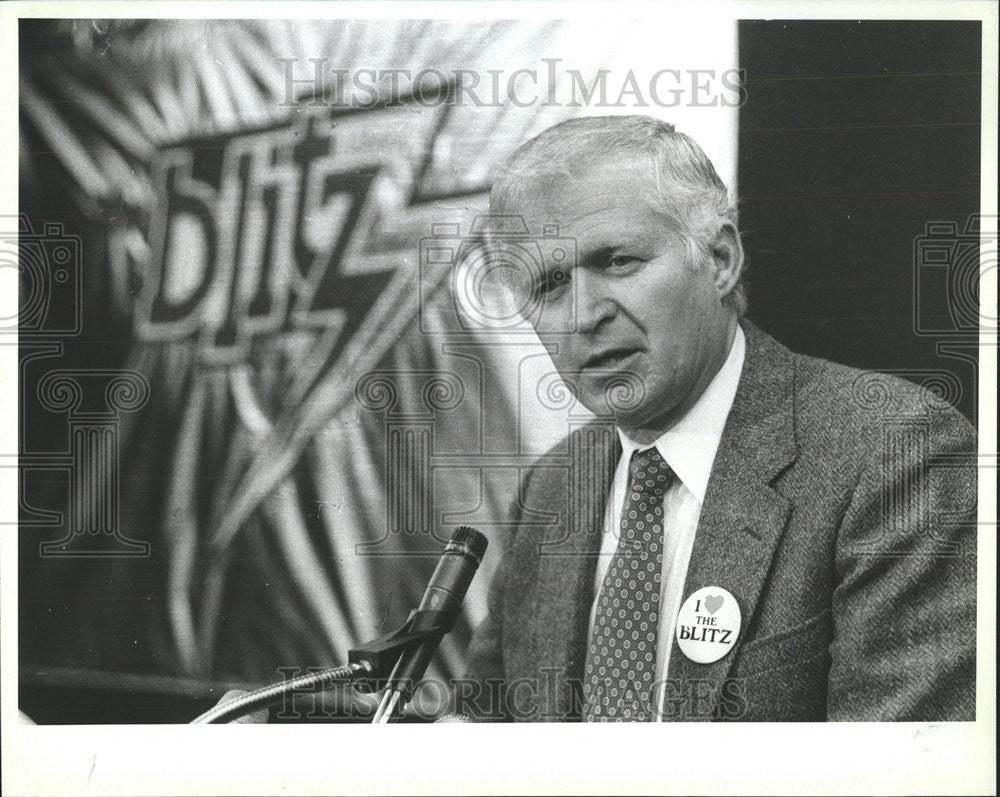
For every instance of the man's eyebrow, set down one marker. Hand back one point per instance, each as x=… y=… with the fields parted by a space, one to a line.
x=587 y=258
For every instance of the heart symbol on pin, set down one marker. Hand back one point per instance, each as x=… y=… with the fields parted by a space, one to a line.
x=713 y=603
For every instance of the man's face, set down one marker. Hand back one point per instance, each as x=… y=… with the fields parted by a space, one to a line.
x=640 y=308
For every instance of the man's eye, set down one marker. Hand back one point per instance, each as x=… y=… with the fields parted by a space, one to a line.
x=552 y=281
x=623 y=262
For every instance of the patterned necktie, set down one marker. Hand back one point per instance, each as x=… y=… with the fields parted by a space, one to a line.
x=622 y=656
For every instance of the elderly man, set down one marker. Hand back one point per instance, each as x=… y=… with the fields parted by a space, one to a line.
x=744 y=532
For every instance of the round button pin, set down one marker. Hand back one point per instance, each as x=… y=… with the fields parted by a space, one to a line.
x=708 y=625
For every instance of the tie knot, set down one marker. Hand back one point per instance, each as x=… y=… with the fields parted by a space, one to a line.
x=649 y=472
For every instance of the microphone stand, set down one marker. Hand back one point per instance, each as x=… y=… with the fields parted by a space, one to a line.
x=395 y=662
x=400 y=659
x=389 y=706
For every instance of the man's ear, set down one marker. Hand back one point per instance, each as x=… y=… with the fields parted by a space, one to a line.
x=727 y=259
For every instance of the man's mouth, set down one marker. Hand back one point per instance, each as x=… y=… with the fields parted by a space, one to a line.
x=610 y=360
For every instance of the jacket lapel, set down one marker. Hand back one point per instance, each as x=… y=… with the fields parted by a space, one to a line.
x=567 y=562
x=743 y=516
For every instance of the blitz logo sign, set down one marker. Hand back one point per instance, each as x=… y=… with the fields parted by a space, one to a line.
x=286 y=228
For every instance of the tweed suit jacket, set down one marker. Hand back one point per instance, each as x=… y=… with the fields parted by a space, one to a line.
x=840 y=513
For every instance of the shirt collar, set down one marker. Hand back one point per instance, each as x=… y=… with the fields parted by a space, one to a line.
x=689 y=446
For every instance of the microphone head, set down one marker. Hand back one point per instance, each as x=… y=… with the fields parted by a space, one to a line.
x=475 y=541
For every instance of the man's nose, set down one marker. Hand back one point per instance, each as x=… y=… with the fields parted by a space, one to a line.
x=594 y=301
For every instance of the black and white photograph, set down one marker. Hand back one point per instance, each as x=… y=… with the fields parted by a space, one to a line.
x=516 y=375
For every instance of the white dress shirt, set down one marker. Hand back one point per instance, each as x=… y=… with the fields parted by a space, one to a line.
x=689 y=449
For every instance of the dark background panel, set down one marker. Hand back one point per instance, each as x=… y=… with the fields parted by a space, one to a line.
x=853 y=138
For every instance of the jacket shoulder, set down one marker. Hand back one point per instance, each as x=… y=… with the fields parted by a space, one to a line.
x=848 y=416
x=827 y=390
x=870 y=419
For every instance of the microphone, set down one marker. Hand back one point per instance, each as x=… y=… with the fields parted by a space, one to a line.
x=399 y=658
x=441 y=604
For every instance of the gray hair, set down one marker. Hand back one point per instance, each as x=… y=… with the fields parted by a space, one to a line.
x=688 y=189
